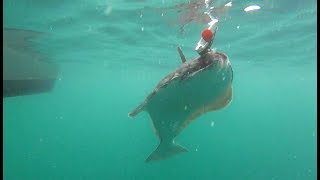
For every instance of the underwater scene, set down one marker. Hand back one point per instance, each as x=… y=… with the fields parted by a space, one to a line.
x=160 y=90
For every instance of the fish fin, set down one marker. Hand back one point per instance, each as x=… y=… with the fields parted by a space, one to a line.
x=165 y=150
x=212 y=106
x=154 y=127
x=183 y=58
x=136 y=110
x=221 y=103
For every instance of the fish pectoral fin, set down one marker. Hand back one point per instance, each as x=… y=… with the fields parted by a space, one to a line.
x=217 y=104
x=212 y=106
x=222 y=102
x=136 y=111
x=165 y=150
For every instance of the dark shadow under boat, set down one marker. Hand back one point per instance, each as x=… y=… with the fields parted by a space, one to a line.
x=25 y=71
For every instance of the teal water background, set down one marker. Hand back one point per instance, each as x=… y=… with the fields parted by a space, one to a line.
x=111 y=55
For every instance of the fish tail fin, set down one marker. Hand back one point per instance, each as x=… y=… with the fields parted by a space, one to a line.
x=165 y=150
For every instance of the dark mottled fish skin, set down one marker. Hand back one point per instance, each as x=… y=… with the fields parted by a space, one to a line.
x=196 y=87
x=184 y=71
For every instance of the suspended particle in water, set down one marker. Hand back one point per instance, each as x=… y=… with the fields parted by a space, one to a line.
x=89 y=28
x=299 y=173
x=238 y=27
x=212 y=123
x=185 y=108
x=141 y=15
x=40 y=139
x=142 y=28
x=159 y=61
x=309 y=170
x=161 y=14
x=196 y=149
x=108 y=10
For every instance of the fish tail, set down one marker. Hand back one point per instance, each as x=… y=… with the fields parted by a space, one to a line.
x=165 y=150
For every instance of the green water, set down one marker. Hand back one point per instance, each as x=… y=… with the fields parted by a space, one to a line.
x=112 y=54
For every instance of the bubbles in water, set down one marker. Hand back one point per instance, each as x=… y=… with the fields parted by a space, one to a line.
x=251 y=8
x=229 y=4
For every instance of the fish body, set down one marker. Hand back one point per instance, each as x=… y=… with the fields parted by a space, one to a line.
x=195 y=88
